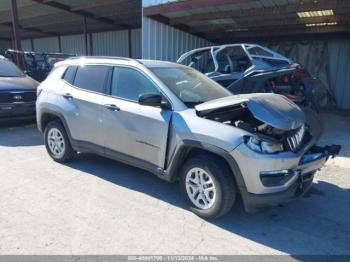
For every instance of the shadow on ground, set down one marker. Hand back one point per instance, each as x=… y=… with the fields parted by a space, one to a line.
x=17 y=135
x=303 y=221
x=318 y=223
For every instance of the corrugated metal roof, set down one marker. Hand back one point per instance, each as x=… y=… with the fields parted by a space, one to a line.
x=254 y=18
x=65 y=16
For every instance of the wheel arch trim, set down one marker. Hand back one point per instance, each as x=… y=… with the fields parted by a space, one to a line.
x=59 y=116
x=186 y=146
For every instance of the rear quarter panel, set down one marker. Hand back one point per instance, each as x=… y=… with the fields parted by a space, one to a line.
x=51 y=88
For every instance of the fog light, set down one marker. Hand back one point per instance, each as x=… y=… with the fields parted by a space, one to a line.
x=276 y=178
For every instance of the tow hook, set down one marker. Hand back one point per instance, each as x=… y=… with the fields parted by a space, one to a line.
x=328 y=151
x=332 y=150
x=315 y=154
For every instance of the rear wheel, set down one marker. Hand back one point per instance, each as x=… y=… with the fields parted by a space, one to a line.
x=57 y=143
x=208 y=186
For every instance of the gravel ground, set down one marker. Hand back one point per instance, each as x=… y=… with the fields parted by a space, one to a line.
x=97 y=206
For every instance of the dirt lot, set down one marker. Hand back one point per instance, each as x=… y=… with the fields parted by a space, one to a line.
x=97 y=206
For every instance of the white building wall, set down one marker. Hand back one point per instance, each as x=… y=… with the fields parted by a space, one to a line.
x=111 y=43
x=136 y=43
x=72 y=44
x=26 y=45
x=4 y=45
x=163 y=42
x=338 y=67
x=48 y=44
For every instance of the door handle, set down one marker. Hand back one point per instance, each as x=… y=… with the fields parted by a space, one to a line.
x=112 y=107
x=67 y=96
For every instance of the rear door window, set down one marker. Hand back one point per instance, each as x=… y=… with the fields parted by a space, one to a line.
x=92 y=77
x=70 y=74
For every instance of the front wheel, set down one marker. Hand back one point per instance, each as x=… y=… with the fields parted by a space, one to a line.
x=57 y=143
x=208 y=186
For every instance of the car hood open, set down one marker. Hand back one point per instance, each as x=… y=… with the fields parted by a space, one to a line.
x=272 y=109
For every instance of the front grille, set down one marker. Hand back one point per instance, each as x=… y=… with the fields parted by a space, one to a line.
x=16 y=97
x=295 y=138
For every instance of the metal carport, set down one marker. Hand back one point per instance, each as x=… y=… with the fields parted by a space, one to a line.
x=69 y=25
x=313 y=33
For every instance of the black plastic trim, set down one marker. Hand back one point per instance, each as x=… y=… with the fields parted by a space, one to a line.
x=186 y=146
x=58 y=115
x=84 y=146
x=254 y=202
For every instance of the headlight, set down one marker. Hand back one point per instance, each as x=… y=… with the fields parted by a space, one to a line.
x=263 y=146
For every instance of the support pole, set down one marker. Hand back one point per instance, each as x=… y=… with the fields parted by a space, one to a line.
x=59 y=44
x=32 y=44
x=86 y=51
x=129 y=43
x=15 y=29
x=91 y=46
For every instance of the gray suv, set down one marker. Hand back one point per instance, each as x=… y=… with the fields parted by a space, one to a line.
x=178 y=124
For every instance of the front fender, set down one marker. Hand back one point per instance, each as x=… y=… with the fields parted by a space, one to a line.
x=183 y=150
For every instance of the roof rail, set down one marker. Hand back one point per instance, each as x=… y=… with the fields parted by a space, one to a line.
x=102 y=57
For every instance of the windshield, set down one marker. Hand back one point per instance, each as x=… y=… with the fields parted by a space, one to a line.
x=189 y=85
x=9 y=69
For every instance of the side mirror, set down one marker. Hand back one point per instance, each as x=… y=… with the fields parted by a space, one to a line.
x=150 y=99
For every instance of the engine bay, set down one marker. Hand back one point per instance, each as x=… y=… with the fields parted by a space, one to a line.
x=239 y=116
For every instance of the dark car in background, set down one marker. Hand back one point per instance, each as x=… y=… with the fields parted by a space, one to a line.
x=36 y=65
x=251 y=68
x=17 y=93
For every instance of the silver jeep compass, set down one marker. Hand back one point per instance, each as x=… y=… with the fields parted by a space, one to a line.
x=182 y=126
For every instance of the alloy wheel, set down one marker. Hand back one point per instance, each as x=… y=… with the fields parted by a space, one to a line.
x=200 y=188
x=56 y=142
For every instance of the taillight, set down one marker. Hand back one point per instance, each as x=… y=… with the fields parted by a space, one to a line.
x=285 y=79
x=38 y=91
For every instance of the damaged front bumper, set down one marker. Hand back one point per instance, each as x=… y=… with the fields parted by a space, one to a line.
x=279 y=179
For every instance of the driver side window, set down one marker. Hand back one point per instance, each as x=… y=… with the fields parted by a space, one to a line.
x=129 y=84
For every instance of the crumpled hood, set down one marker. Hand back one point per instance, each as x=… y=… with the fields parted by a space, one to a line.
x=272 y=109
x=18 y=83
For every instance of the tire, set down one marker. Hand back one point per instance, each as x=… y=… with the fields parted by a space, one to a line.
x=216 y=173
x=59 y=146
